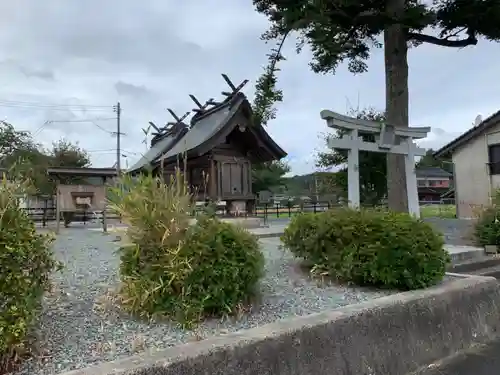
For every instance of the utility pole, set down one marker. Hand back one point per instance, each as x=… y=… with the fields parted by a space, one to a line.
x=118 y=111
x=316 y=186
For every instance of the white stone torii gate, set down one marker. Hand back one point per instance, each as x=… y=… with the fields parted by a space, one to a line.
x=385 y=141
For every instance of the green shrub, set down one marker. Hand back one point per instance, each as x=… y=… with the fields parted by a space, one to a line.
x=487 y=228
x=369 y=247
x=26 y=263
x=169 y=268
x=222 y=264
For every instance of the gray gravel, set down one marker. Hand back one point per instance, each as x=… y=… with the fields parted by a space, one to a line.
x=80 y=327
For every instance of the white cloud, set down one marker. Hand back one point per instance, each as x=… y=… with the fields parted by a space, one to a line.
x=151 y=57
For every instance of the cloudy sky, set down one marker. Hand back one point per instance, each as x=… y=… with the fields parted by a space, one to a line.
x=64 y=61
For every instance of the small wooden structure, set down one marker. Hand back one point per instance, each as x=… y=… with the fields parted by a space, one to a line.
x=89 y=196
x=219 y=146
x=388 y=139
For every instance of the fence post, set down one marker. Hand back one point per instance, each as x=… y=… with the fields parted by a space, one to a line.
x=277 y=210
x=314 y=207
x=44 y=215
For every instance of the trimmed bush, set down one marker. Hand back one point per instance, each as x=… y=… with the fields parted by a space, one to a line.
x=487 y=228
x=222 y=265
x=369 y=247
x=26 y=262
x=171 y=268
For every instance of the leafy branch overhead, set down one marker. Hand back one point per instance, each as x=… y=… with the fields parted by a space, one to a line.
x=266 y=93
x=269 y=175
x=345 y=30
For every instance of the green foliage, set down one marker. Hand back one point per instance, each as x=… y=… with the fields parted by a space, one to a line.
x=67 y=154
x=428 y=160
x=316 y=183
x=369 y=247
x=269 y=175
x=12 y=141
x=225 y=264
x=487 y=228
x=31 y=160
x=346 y=31
x=266 y=93
x=372 y=165
x=169 y=268
x=26 y=262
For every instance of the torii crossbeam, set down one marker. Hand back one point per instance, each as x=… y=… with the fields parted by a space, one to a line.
x=388 y=139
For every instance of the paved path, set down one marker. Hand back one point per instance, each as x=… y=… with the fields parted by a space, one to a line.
x=476 y=361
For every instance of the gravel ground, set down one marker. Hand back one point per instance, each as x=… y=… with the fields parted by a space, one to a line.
x=80 y=328
x=456 y=231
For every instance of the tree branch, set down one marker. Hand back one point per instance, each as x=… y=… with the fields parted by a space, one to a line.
x=471 y=40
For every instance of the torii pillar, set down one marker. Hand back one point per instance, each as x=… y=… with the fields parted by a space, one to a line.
x=385 y=141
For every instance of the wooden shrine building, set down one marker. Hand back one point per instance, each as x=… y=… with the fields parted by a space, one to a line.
x=220 y=144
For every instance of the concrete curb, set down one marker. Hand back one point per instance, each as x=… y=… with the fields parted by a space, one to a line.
x=395 y=335
x=269 y=235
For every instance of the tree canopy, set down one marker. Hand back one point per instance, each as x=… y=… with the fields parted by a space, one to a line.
x=269 y=176
x=18 y=150
x=428 y=160
x=346 y=31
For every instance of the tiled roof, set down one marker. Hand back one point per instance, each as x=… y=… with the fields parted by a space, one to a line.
x=432 y=172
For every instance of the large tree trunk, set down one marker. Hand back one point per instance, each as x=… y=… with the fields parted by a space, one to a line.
x=396 y=88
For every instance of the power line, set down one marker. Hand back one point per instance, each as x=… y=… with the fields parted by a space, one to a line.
x=37 y=131
x=103 y=129
x=111 y=151
x=17 y=102
x=130 y=152
x=105 y=150
x=92 y=121
x=73 y=109
x=87 y=120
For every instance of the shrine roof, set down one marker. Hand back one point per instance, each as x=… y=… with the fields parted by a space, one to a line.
x=205 y=127
x=212 y=123
x=165 y=143
x=209 y=127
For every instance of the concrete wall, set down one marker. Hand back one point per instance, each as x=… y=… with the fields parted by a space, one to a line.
x=391 y=335
x=472 y=178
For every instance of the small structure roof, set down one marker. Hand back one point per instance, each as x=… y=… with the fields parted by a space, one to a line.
x=470 y=134
x=82 y=172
